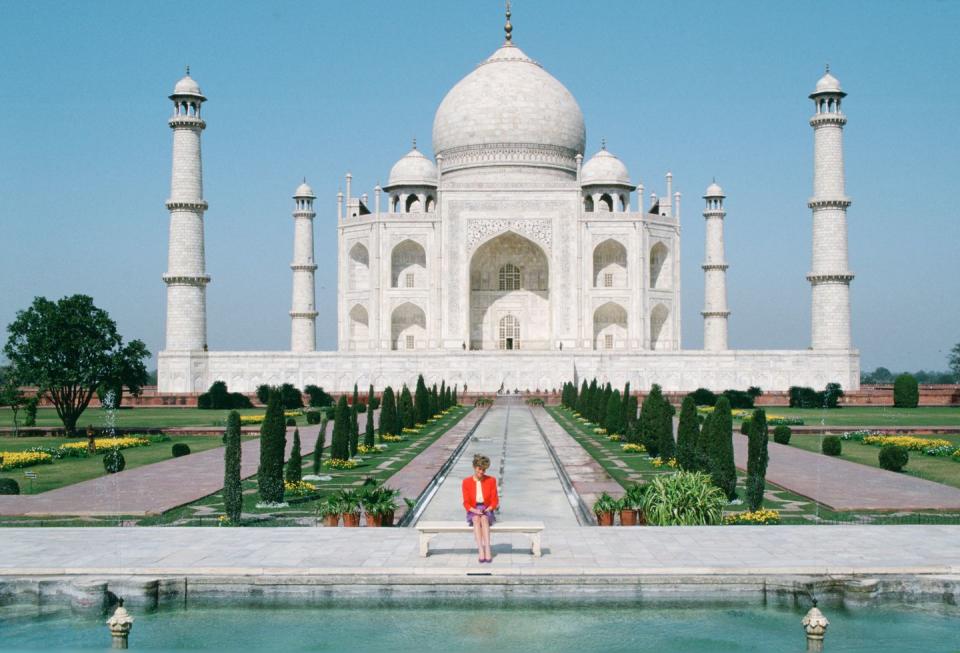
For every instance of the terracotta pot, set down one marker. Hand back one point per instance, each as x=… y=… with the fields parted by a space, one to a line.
x=628 y=517
x=604 y=519
x=374 y=520
x=386 y=519
x=351 y=519
x=331 y=520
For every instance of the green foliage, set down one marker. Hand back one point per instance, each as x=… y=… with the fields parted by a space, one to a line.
x=317 y=397
x=739 y=399
x=294 y=472
x=605 y=503
x=321 y=443
x=9 y=486
x=340 y=444
x=625 y=416
x=894 y=457
x=688 y=432
x=263 y=393
x=313 y=417
x=757 y=459
x=408 y=416
x=232 y=489
x=723 y=472
x=113 y=461
x=290 y=397
x=368 y=432
x=954 y=362
x=30 y=411
x=290 y=421
x=180 y=449
x=582 y=397
x=454 y=399
x=745 y=426
x=754 y=391
x=906 y=391
x=703 y=397
x=354 y=430
x=614 y=408
x=389 y=420
x=831 y=445
x=128 y=370
x=11 y=395
x=273 y=441
x=67 y=349
x=421 y=401
x=683 y=499
x=667 y=447
x=781 y=434
x=217 y=397
x=804 y=397
x=832 y=394
x=649 y=421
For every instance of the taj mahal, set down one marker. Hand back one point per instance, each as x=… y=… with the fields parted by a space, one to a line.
x=508 y=260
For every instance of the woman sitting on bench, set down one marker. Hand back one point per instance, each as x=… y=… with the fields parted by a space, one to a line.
x=480 y=500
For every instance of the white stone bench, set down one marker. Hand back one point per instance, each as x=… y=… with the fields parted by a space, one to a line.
x=430 y=529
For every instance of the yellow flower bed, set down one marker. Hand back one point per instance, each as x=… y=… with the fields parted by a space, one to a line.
x=413 y=431
x=126 y=442
x=386 y=437
x=300 y=488
x=336 y=463
x=659 y=462
x=364 y=449
x=763 y=516
x=633 y=448
x=615 y=438
x=17 y=459
x=911 y=442
x=256 y=419
x=600 y=431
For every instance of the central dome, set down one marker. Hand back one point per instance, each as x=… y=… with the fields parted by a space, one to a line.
x=509 y=111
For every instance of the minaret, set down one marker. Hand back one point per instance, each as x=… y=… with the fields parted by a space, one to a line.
x=715 y=266
x=829 y=277
x=186 y=276
x=303 y=314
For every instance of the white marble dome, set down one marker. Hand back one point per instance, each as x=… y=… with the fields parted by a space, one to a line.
x=509 y=99
x=714 y=190
x=187 y=86
x=414 y=169
x=304 y=190
x=828 y=84
x=604 y=169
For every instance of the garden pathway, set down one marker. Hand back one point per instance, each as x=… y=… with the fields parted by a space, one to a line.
x=846 y=486
x=528 y=484
x=151 y=489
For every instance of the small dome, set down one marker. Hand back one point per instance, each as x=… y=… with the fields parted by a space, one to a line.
x=414 y=169
x=604 y=168
x=304 y=190
x=828 y=84
x=187 y=86
x=714 y=190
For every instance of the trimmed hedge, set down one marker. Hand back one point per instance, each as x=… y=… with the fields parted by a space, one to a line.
x=180 y=449
x=9 y=486
x=291 y=421
x=781 y=434
x=906 y=391
x=831 y=445
x=314 y=416
x=113 y=461
x=894 y=457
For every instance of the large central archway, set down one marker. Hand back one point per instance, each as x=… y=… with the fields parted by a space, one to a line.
x=509 y=276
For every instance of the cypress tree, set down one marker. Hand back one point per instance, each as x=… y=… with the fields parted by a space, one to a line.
x=388 y=413
x=631 y=410
x=581 y=406
x=340 y=445
x=614 y=407
x=590 y=406
x=408 y=418
x=757 y=458
x=625 y=408
x=668 y=448
x=421 y=401
x=688 y=432
x=649 y=421
x=354 y=430
x=434 y=401
x=604 y=403
x=443 y=396
x=321 y=443
x=232 y=489
x=368 y=432
x=705 y=444
x=272 y=445
x=356 y=396
x=295 y=464
x=723 y=472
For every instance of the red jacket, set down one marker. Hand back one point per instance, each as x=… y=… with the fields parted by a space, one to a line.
x=490 y=498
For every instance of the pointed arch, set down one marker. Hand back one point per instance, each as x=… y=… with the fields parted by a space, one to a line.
x=588 y=204
x=610 y=264
x=610 y=326
x=359 y=323
x=408 y=265
x=359 y=267
x=661 y=273
x=408 y=327
x=660 y=332
x=414 y=205
x=606 y=203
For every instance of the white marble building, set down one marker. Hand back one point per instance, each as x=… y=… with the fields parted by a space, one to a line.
x=509 y=261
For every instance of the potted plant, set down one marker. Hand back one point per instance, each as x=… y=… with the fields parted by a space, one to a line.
x=370 y=500
x=633 y=500
x=388 y=505
x=329 y=511
x=604 y=507
x=628 y=516
x=349 y=503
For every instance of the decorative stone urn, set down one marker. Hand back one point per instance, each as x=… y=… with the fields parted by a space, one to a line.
x=815 y=626
x=120 y=624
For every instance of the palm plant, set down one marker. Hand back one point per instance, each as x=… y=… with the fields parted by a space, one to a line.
x=683 y=499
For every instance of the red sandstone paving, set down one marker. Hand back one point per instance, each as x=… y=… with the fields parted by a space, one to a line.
x=151 y=489
x=846 y=486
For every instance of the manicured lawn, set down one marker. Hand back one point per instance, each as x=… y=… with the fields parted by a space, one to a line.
x=138 y=417
x=301 y=512
x=67 y=471
x=932 y=468
x=858 y=416
x=793 y=508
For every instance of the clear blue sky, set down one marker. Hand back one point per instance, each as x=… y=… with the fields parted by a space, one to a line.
x=317 y=89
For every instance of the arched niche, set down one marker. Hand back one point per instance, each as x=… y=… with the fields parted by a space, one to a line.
x=359 y=267
x=660 y=331
x=610 y=264
x=408 y=265
x=609 y=326
x=661 y=273
x=359 y=323
x=408 y=327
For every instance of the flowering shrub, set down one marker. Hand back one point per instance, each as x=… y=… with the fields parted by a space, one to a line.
x=126 y=442
x=633 y=448
x=761 y=517
x=364 y=449
x=600 y=431
x=17 y=459
x=408 y=431
x=910 y=442
x=779 y=420
x=659 y=462
x=299 y=488
x=336 y=463
x=857 y=436
x=615 y=438
x=386 y=437
x=256 y=419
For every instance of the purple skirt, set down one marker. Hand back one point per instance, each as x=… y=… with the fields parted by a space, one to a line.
x=489 y=514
